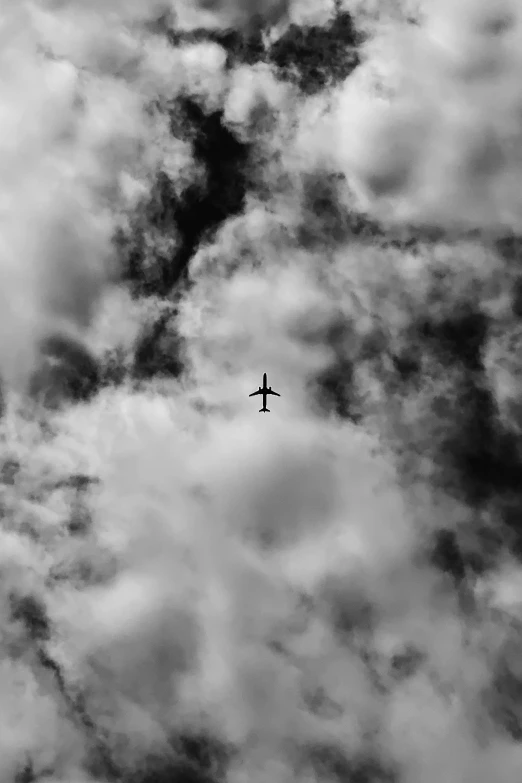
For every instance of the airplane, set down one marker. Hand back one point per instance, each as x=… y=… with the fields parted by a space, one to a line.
x=264 y=391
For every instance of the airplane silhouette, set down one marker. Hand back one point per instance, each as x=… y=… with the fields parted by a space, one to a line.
x=264 y=391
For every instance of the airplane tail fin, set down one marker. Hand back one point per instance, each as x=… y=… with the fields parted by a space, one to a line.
x=264 y=410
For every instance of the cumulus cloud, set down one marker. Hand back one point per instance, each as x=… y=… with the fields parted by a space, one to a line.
x=446 y=151
x=69 y=137
x=244 y=14
x=260 y=580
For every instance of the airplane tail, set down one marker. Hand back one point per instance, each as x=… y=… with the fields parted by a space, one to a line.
x=264 y=410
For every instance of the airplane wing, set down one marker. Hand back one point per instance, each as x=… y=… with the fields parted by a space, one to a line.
x=254 y=393
x=271 y=392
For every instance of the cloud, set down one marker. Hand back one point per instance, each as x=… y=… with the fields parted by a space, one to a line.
x=69 y=137
x=243 y=14
x=446 y=150
x=260 y=579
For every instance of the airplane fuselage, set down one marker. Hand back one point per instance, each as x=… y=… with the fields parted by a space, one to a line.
x=265 y=391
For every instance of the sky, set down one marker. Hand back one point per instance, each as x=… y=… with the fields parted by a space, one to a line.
x=214 y=523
